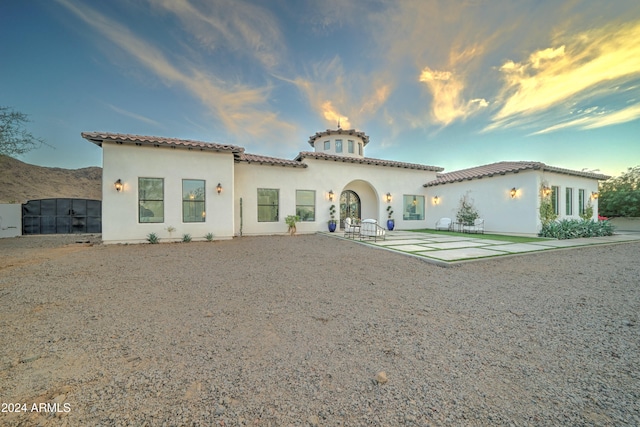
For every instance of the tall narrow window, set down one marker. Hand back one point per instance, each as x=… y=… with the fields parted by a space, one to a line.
x=268 y=202
x=306 y=205
x=338 y=146
x=413 y=207
x=360 y=148
x=327 y=145
x=581 y=203
x=350 y=146
x=555 y=192
x=150 y=200
x=569 y=201
x=193 y=200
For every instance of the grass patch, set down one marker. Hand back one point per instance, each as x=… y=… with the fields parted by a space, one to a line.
x=501 y=237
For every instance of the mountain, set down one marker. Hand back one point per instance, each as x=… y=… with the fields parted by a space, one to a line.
x=20 y=182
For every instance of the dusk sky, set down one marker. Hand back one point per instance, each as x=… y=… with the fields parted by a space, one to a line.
x=454 y=84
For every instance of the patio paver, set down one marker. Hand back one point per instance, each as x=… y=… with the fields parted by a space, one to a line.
x=443 y=249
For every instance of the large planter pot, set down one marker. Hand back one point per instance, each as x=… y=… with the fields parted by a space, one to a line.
x=390 y=224
x=332 y=226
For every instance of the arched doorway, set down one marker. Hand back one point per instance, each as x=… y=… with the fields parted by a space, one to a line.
x=349 y=206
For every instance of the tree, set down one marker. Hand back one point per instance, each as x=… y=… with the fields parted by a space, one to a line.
x=620 y=195
x=14 y=138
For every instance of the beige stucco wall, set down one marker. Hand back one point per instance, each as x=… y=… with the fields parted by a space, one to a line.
x=502 y=213
x=129 y=162
x=371 y=183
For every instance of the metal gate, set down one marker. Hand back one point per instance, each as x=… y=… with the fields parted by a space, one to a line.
x=61 y=216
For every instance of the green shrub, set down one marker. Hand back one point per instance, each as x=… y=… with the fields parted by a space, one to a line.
x=186 y=238
x=152 y=238
x=467 y=213
x=209 y=237
x=575 y=228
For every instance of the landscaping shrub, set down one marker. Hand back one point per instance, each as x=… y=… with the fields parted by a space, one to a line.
x=574 y=228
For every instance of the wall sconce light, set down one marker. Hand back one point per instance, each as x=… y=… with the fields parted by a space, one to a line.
x=436 y=200
x=331 y=195
x=388 y=197
x=594 y=194
x=415 y=202
x=119 y=185
x=546 y=191
x=513 y=192
x=219 y=188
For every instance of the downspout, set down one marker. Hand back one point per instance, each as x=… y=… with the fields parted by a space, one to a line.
x=240 y=216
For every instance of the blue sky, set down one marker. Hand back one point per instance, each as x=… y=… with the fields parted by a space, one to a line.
x=454 y=84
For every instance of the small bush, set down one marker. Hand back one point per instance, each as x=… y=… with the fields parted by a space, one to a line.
x=186 y=238
x=152 y=238
x=209 y=237
x=575 y=228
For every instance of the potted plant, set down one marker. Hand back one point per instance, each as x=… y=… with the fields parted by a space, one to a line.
x=390 y=222
x=332 y=221
x=291 y=222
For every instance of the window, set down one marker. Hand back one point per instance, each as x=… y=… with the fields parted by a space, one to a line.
x=327 y=145
x=338 y=146
x=555 y=190
x=193 y=200
x=350 y=146
x=306 y=205
x=150 y=200
x=360 y=148
x=413 y=208
x=569 y=201
x=581 y=204
x=268 y=205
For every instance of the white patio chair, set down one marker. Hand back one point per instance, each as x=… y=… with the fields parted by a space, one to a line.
x=369 y=228
x=444 y=224
x=477 y=227
x=350 y=230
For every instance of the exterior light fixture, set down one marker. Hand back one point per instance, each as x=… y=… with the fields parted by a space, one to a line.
x=594 y=194
x=119 y=185
x=388 y=197
x=219 y=188
x=513 y=192
x=331 y=195
x=436 y=200
x=415 y=201
x=546 y=191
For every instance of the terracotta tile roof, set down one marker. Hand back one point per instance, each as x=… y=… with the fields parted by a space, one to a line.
x=274 y=161
x=312 y=138
x=366 y=161
x=121 y=138
x=502 y=168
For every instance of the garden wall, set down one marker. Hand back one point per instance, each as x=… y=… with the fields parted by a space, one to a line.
x=10 y=220
x=626 y=224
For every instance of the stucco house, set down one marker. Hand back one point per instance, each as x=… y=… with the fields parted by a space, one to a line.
x=154 y=185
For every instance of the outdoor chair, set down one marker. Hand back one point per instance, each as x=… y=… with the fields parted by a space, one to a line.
x=350 y=230
x=369 y=228
x=444 y=224
x=477 y=227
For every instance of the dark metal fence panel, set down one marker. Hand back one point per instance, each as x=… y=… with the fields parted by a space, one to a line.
x=61 y=216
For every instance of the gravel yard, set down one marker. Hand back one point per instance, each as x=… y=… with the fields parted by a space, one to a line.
x=279 y=330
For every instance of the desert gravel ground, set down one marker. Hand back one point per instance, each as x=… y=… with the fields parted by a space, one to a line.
x=311 y=330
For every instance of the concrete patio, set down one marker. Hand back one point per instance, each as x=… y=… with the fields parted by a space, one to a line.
x=446 y=250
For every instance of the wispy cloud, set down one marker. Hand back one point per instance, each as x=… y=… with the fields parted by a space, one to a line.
x=597 y=121
x=134 y=115
x=575 y=68
x=242 y=110
x=231 y=25
x=448 y=103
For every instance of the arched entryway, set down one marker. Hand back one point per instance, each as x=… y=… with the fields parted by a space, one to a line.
x=349 y=206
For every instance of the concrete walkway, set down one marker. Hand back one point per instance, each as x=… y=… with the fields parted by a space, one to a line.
x=447 y=250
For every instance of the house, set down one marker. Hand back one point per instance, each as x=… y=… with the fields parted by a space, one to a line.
x=173 y=187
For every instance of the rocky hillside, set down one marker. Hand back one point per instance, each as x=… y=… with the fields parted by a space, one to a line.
x=20 y=182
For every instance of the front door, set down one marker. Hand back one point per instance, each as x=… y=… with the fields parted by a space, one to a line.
x=349 y=206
